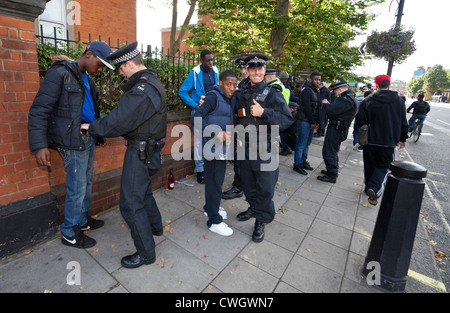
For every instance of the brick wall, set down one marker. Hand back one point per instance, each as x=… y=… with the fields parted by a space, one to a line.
x=20 y=178
x=165 y=34
x=115 y=19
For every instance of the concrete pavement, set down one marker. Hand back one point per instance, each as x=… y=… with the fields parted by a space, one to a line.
x=317 y=243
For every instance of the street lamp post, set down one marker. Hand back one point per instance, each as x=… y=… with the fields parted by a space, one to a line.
x=397 y=23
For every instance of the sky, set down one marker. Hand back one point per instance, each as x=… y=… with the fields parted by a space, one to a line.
x=429 y=19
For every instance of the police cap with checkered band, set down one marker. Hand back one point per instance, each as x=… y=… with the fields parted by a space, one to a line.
x=124 y=54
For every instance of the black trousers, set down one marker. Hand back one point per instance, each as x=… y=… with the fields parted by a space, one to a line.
x=137 y=204
x=214 y=176
x=330 y=149
x=376 y=166
x=237 y=173
x=323 y=120
x=259 y=188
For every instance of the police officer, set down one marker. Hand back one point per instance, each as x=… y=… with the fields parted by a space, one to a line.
x=140 y=118
x=340 y=114
x=258 y=107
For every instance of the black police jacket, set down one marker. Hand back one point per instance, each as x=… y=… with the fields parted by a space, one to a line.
x=343 y=108
x=142 y=105
x=55 y=116
x=276 y=112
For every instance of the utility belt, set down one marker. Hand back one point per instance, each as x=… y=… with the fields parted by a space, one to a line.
x=339 y=124
x=147 y=148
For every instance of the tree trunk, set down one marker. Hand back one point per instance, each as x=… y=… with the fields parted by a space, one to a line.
x=278 y=33
x=176 y=43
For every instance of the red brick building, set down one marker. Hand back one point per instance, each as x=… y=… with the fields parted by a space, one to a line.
x=105 y=19
x=165 y=34
x=32 y=197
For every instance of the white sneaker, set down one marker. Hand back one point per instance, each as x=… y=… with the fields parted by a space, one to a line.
x=222 y=213
x=221 y=229
x=356 y=146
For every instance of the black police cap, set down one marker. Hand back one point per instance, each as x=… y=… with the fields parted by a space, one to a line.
x=124 y=54
x=338 y=85
x=271 y=71
x=256 y=60
x=240 y=62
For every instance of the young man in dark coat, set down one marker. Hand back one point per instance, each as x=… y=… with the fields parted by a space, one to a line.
x=140 y=117
x=67 y=97
x=385 y=113
x=216 y=116
x=308 y=117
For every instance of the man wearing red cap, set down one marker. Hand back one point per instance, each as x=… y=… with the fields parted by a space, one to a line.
x=385 y=113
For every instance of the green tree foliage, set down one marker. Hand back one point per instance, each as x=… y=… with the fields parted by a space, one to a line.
x=436 y=79
x=415 y=84
x=310 y=34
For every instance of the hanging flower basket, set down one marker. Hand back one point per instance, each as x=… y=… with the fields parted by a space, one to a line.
x=395 y=44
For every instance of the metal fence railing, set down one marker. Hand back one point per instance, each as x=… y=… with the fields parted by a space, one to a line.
x=172 y=69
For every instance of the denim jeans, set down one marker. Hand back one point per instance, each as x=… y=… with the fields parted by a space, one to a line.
x=305 y=135
x=413 y=118
x=79 y=166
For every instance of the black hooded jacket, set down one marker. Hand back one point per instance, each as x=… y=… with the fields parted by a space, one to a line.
x=385 y=113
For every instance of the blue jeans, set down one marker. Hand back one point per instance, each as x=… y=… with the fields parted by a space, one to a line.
x=413 y=118
x=305 y=135
x=79 y=166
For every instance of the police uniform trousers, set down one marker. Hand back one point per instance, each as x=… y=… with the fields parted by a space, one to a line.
x=330 y=149
x=259 y=188
x=137 y=204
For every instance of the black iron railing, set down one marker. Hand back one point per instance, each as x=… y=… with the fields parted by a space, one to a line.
x=172 y=68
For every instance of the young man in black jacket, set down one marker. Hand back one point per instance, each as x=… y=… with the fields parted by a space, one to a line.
x=385 y=113
x=67 y=97
x=420 y=110
x=308 y=123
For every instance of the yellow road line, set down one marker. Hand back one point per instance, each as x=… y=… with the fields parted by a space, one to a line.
x=427 y=280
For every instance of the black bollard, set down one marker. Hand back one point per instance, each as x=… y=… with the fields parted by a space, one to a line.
x=395 y=229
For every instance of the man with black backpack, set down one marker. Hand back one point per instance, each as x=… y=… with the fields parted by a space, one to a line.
x=420 y=110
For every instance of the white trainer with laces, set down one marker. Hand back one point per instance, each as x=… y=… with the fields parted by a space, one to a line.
x=222 y=213
x=221 y=229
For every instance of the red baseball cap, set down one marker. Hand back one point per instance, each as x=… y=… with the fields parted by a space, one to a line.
x=383 y=80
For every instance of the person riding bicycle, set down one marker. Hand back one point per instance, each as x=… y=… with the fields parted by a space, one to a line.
x=420 y=110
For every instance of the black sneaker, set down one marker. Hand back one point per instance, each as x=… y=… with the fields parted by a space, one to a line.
x=79 y=240
x=307 y=166
x=201 y=177
x=299 y=169
x=373 y=198
x=91 y=224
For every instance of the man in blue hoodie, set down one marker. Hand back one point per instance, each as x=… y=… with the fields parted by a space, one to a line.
x=200 y=80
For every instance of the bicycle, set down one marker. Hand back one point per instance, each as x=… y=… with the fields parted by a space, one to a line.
x=415 y=131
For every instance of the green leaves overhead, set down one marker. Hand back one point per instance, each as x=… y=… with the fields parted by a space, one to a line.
x=312 y=34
